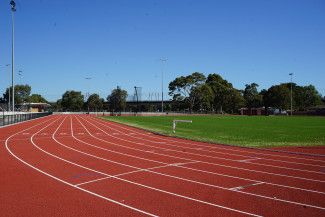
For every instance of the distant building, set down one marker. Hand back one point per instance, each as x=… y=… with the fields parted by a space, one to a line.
x=34 y=107
x=252 y=111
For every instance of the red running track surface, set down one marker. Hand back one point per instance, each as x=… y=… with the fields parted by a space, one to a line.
x=78 y=165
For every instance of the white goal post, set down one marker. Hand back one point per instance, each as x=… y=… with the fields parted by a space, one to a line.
x=175 y=123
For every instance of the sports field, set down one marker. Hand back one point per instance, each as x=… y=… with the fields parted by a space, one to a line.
x=80 y=165
x=252 y=131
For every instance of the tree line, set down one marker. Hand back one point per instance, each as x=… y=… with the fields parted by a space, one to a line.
x=22 y=95
x=191 y=93
x=213 y=93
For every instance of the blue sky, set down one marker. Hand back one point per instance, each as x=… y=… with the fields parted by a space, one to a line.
x=59 y=43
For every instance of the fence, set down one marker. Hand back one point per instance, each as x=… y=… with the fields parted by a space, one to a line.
x=7 y=118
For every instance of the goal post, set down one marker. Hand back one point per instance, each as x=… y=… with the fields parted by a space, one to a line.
x=182 y=121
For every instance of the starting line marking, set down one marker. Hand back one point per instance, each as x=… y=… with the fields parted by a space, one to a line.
x=248 y=160
x=135 y=171
x=245 y=186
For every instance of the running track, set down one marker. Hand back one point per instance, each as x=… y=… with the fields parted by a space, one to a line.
x=78 y=165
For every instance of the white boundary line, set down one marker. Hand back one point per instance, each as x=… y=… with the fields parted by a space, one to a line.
x=222 y=158
x=67 y=183
x=138 y=184
x=195 y=148
x=188 y=159
x=211 y=146
x=215 y=186
x=187 y=168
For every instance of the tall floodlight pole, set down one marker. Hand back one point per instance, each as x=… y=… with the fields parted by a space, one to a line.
x=291 y=74
x=88 y=94
x=9 y=98
x=163 y=61
x=13 y=10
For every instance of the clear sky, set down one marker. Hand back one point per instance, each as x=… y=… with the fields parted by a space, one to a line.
x=120 y=42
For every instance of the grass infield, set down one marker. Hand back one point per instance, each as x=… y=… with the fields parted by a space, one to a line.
x=253 y=131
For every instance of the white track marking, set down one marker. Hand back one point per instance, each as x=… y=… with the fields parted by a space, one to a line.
x=205 y=162
x=211 y=146
x=188 y=168
x=203 y=148
x=67 y=183
x=249 y=159
x=223 y=188
x=127 y=173
x=222 y=158
x=245 y=186
x=135 y=183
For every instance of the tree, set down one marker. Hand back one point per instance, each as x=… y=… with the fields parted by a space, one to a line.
x=117 y=99
x=72 y=101
x=305 y=97
x=278 y=96
x=252 y=97
x=22 y=93
x=182 y=87
x=94 y=102
x=225 y=96
x=204 y=98
x=36 y=98
x=56 y=106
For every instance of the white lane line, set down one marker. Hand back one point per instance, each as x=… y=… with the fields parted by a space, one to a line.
x=67 y=183
x=246 y=160
x=211 y=146
x=193 y=169
x=215 y=186
x=245 y=186
x=138 y=184
x=205 y=162
x=127 y=173
x=228 y=159
x=189 y=168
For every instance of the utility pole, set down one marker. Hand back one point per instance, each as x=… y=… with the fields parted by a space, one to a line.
x=291 y=74
x=136 y=94
x=88 y=93
x=163 y=61
x=9 y=97
x=13 y=10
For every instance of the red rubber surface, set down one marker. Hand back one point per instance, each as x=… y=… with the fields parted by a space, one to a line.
x=77 y=165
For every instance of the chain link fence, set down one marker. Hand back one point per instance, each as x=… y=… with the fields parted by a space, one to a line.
x=7 y=118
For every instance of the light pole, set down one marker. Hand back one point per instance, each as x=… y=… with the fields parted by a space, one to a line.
x=13 y=10
x=9 y=100
x=291 y=74
x=88 y=94
x=163 y=61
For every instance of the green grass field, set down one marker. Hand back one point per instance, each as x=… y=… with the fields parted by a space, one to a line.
x=251 y=131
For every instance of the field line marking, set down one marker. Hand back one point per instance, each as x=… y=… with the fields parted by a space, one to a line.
x=189 y=168
x=258 y=171
x=245 y=186
x=212 y=146
x=204 y=171
x=222 y=158
x=247 y=193
x=131 y=172
x=141 y=185
x=67 y=183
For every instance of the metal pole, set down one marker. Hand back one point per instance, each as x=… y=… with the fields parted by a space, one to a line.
x=162 y=84
x=9 y=97
x=291 y=93
x=13 y=9
x=9 y=102
x=88 y=94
